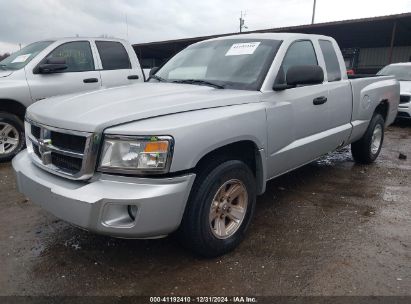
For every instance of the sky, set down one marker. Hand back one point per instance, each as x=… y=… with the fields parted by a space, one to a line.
x=26 y=21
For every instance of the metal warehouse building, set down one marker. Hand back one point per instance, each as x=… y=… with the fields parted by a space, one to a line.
x=367 y=44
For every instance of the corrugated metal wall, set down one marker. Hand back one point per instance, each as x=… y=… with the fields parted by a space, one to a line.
x=376 y=58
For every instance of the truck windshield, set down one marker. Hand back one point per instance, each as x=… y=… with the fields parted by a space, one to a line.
x=230 y=63
x=19 y=59
x=400 y=72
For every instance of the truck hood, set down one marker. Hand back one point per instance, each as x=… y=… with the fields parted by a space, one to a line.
x=5 y=73
x=95 y=111
x=405 y=87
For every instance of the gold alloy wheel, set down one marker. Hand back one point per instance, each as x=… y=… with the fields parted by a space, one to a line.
x=228 y=209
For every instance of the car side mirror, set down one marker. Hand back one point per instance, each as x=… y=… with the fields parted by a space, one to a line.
x=153 y=71
x=301 y=75
x=52 y=65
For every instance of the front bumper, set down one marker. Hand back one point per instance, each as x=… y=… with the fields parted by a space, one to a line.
x=100 y=205
x=404 y=110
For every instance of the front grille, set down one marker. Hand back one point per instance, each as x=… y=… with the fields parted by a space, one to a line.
x=36 y=150
x=35 y=131
x=404 y=98
x=404 y=115
x=66 y=153
x=68 y=141
x=68 y=163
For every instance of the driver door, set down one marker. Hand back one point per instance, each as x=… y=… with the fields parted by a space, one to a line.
x=79 y=76
x=296 y=123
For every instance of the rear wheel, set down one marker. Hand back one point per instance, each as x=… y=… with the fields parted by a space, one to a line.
x=11 y=136
x=219 y=210
x=367 y=149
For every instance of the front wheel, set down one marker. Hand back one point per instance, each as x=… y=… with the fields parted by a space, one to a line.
x=219 y=210
x=368 y=147
x=11 y=136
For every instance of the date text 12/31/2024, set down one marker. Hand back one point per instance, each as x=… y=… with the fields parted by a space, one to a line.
x=176 y=299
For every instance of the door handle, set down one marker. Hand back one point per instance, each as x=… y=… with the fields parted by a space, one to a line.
x=131 y=77
x=319 y=100
x=90 y=80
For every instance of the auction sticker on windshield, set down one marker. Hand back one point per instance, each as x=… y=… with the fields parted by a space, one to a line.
x=247 y=48
x=21 y=58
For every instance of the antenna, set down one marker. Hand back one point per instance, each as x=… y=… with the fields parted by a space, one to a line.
x=127 y=26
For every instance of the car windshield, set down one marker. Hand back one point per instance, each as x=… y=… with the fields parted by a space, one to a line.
x=401 y=72
x=19 y=59
x=230 y=63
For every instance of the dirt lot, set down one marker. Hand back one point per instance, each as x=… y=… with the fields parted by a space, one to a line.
x=329 y=228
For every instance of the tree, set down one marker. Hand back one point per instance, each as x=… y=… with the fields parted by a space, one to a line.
x=4 y=56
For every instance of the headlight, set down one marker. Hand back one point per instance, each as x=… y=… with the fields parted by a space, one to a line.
x=130 y=154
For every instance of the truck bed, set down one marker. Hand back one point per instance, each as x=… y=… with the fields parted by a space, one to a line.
x=368 y=92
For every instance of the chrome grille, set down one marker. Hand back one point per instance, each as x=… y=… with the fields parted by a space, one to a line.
x=67 y=153
x=68 y=163
x=405 y=98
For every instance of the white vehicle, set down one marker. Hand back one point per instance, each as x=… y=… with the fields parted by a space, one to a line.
x=401 y=71
x=58 y=67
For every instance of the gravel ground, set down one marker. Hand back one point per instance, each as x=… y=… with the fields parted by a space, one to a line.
x=329 y=228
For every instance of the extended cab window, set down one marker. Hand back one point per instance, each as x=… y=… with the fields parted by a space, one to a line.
x=331 y=60
x=113 y=55
x=77 y=54
x=299 y=53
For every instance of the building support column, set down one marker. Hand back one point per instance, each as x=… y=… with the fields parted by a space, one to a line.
x=394 y=29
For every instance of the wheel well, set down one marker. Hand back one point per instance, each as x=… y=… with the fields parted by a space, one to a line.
x=246 y=151
x=382 y=109
x=13 y=107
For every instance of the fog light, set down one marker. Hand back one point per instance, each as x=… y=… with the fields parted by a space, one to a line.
x=132 y=211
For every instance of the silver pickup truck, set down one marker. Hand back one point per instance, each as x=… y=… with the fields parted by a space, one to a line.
x=189 y=151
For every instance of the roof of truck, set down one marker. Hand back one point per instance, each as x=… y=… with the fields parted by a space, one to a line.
x=273 y=36
x=402 y=63
x=84 y=38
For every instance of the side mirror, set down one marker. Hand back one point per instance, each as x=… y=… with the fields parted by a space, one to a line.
x=153 y=71
x=52 y=65
x=301 y=75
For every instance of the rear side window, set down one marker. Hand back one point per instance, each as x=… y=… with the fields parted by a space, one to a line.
x=331 y=60
x=299 y=53
x=113 y=55
x=77 y=54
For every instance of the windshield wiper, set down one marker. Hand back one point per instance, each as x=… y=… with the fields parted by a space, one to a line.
x=3 y=66
x=200 y=82
x=157 y=78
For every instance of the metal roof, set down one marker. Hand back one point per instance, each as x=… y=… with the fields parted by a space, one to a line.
x=365 y=32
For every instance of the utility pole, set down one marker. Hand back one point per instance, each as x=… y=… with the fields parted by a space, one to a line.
x=242 y=21
x=394 y=29
x=312 y=20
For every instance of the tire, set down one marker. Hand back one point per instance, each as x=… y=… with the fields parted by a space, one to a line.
x=11 y=128
x=367 y=149
x=205 y=237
